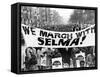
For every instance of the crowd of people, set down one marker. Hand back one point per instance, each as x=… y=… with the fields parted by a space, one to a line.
x=40 y=58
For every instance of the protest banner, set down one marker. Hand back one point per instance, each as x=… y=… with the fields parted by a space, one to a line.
x=57 y=63
x=43 y=61
x=36 y=37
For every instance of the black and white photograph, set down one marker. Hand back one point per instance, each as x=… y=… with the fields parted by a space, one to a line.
x=57 y=38
x=49 y=38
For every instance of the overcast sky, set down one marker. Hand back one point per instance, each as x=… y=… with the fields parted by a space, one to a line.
x=65 y=13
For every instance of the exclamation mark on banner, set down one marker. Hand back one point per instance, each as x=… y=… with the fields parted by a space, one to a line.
x=83 y=38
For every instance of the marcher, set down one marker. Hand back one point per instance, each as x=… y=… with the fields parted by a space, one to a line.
x=30 y=59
